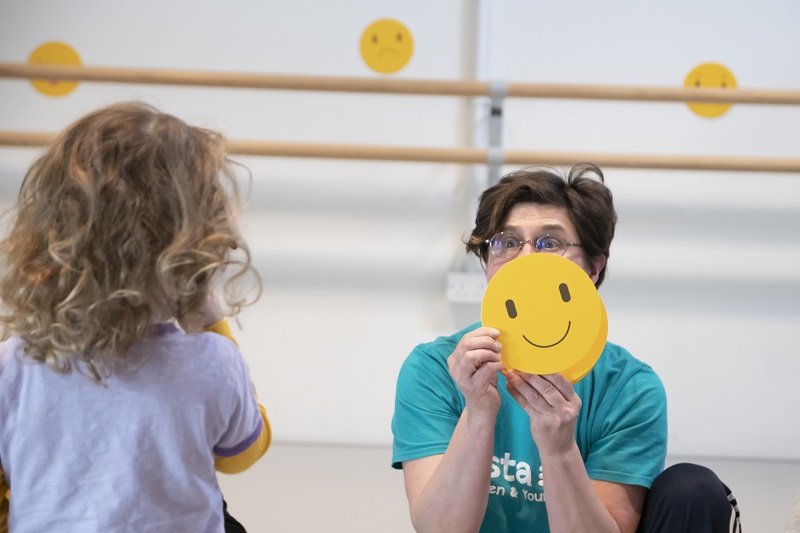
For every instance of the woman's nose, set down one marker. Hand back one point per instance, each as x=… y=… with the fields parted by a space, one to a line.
x=525 y=251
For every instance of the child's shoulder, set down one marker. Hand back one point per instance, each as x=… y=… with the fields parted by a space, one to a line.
x=215 y=351
x=199 y=344
x=10 y=351
x=11 y=360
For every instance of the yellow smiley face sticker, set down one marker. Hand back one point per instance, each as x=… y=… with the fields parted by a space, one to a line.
x=386 y=46
x=54 y=53
x=709 y=76
x=550 y=316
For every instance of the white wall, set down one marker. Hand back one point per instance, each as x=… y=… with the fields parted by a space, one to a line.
x=704 y=276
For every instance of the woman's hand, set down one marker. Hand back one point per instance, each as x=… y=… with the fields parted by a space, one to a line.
x=473 y=366
x=552 y=405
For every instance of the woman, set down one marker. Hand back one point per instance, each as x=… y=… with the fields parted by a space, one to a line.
x=493 y=449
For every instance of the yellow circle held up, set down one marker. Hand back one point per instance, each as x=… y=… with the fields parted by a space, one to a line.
x=710 y=76
x=54 y=53
x=550 y=316
x=386 y=46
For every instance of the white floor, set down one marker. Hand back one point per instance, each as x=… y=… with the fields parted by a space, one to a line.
x=315 y=488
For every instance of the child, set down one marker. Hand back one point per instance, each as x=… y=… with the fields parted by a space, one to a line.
x=111 y=417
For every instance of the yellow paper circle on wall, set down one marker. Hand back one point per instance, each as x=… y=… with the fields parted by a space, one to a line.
x=710 y=76
x=386 y=46
x=54 y=53
x=550 y=316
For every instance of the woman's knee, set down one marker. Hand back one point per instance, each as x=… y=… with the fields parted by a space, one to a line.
x=687 y=481
x=687 y=497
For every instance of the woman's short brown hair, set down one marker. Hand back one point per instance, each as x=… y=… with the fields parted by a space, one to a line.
x=588 y=202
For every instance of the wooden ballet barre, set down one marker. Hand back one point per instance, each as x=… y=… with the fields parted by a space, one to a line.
x=385 y=85
x=513 y=157
x=474 y=156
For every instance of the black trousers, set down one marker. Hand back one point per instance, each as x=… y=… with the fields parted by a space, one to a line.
x=689 y=498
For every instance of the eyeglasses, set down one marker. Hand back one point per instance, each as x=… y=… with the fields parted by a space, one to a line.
x=506 y=245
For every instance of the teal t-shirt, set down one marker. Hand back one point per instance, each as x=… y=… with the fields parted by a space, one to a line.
x=621 y=430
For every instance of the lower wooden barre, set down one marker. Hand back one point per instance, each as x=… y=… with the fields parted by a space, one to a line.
x=473 y=156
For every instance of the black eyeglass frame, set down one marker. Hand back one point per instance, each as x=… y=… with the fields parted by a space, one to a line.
x=538 y=244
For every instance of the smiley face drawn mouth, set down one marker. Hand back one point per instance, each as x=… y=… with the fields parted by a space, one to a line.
x=569 y=324
x=388 y=50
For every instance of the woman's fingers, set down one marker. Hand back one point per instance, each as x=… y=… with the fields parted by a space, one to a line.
x=480 y=342
x=552 y=405
x=524 y=392
x=474 y=365
x=558 y=387
x=541 y=391
x=488 y=372
x=472 y=360
x=553 y=387
x=474 y=350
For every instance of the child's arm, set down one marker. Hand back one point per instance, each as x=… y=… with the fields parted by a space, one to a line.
x=246 y=458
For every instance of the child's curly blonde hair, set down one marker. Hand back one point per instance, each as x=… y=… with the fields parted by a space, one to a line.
x=123 y=222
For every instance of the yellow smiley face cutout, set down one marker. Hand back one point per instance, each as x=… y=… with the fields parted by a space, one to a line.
x=54 y=53
x=386 y=46
x=709 y=76
x=550 y=316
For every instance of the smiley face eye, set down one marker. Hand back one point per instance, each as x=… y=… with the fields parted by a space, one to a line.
x=511 y=309
x=564 y=290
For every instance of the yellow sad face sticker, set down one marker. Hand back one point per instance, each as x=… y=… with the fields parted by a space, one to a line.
x=386 y=46
x=54 y=53
x=709 y=76
x=550 y=316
